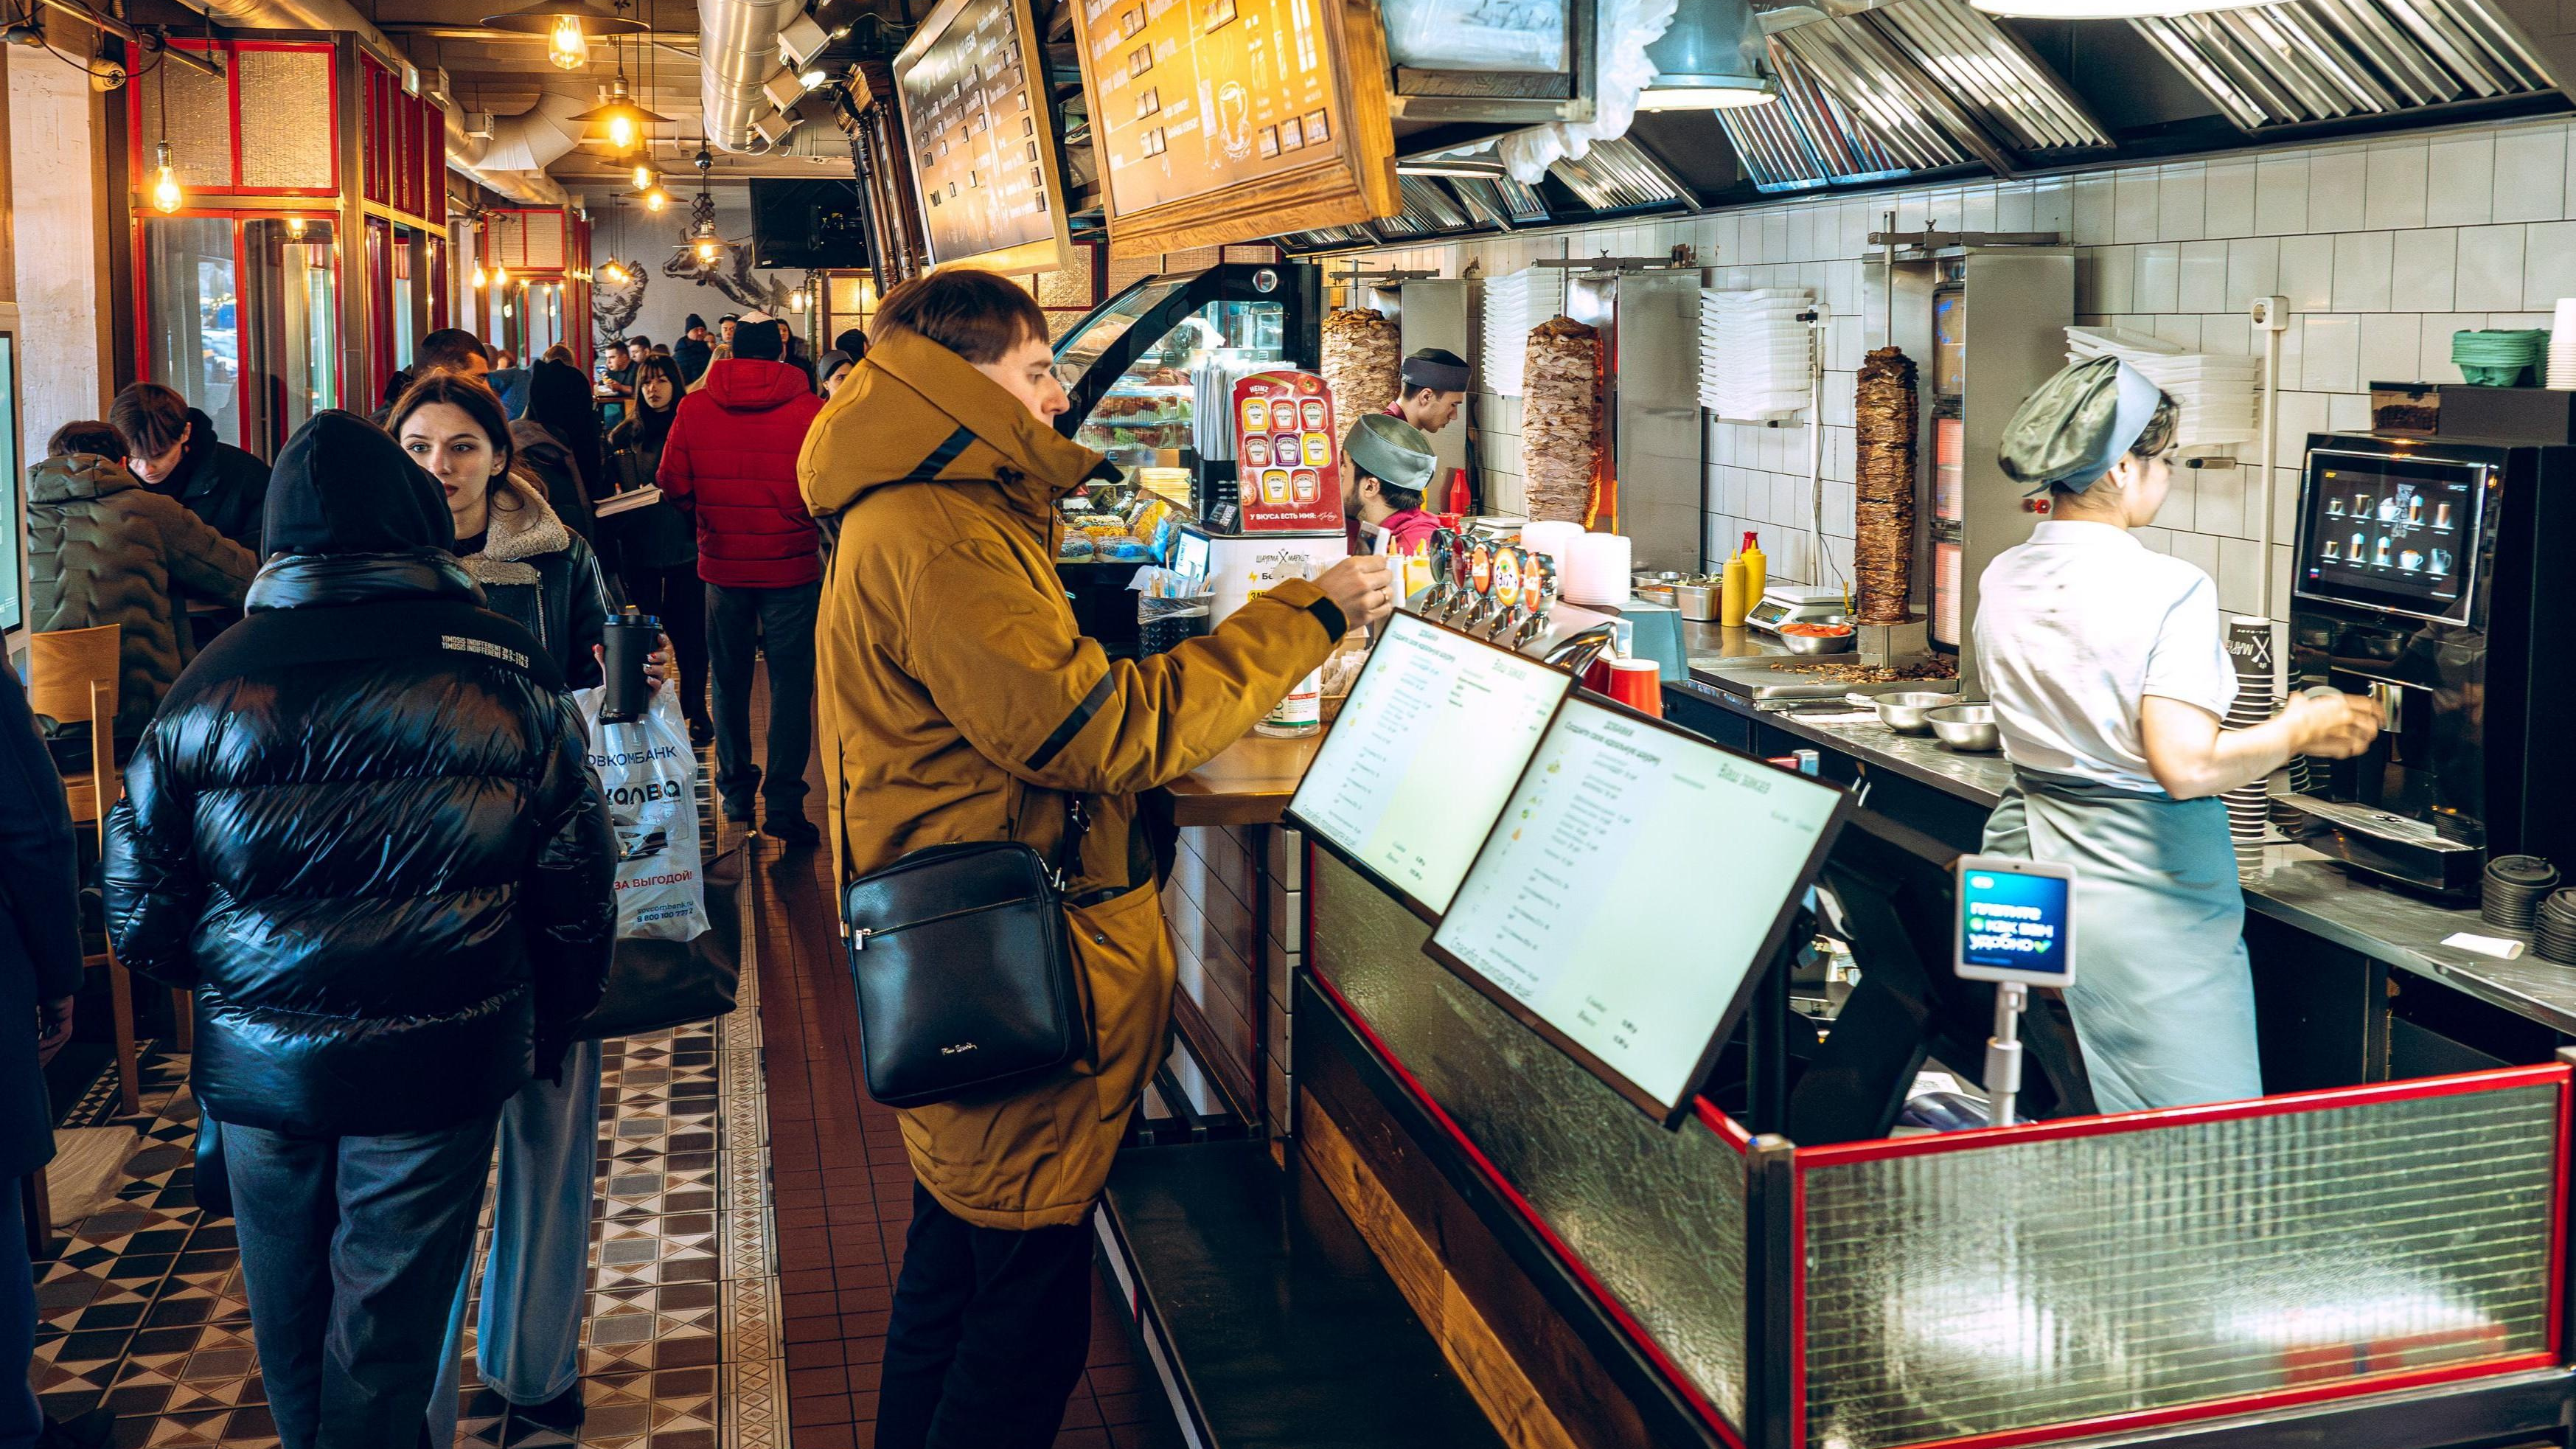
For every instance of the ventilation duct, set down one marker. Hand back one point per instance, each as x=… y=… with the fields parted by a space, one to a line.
x=1427 y=209
x=2329 y=60
x=1922 y=128
x=1501 y=200
x=511 y=159
x=1618 y=175
x=1810 y=139
x=1710 y=57
x=1981 y=66
x=737 y=51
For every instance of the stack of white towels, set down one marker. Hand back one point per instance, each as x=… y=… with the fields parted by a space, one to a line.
x=1515 y=303
x=1753 y=353
x=2221 y=396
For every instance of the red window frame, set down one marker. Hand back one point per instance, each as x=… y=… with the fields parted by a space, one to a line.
x=139 y=146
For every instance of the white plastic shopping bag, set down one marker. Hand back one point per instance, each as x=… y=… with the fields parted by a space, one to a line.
x=650 y=776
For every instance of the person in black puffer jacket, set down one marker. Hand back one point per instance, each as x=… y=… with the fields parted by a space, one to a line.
x=363 y=830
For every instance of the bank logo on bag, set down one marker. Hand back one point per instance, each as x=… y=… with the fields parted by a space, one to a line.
x=650 y=777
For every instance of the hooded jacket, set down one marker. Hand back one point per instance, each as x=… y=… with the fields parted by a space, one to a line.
x=219 y=483
x=363 y=830
x=960 y=703
x=731 y=460
x=541 y=576
x=103 y=549
x=551 y=465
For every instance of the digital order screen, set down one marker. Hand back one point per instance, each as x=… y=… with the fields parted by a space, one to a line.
x=2394 y=533
x=1434 y=735
x=1637 y=880
x=2014 y=921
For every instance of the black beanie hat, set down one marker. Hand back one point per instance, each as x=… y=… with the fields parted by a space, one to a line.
x=342 y=485
x=694 y=323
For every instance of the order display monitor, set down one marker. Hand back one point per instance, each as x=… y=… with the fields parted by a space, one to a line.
x=1639 y=879
x=1435 y=734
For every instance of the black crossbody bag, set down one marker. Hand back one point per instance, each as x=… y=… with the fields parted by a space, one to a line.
x=964 y=969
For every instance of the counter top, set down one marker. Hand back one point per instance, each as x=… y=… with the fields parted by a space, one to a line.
x=1248 y=784
x=2294 y=885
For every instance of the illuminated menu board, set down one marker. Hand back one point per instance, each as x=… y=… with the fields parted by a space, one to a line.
x=983 y=140
x=1229 y=120
x=1637 y=883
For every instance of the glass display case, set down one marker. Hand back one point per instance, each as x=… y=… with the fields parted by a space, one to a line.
x=1136 y=367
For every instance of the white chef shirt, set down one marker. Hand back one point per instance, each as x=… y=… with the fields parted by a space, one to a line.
x=2077 y=626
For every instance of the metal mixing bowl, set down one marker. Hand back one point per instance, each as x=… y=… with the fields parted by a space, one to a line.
x=1905 y=711
x=1820 y=643
x=1968 y=728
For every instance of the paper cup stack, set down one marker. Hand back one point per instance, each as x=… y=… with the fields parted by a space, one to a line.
x=2553 y=932
x=2561 y=372
x=2249 y=807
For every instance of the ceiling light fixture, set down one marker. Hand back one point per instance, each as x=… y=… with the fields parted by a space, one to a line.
x=478 y=279
x=643 y=177
x=1710 y=59
x=166 y=195
x=701 y=240
x=656 y=199
x=568 y=26
x=621 y=120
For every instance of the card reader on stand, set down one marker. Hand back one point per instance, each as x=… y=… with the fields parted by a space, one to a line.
x=1795 y=604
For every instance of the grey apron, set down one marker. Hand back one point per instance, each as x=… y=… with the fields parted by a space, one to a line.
x=2163 y=999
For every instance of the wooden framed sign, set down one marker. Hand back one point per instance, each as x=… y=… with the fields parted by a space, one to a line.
x=1230 y=120
x=984 y=140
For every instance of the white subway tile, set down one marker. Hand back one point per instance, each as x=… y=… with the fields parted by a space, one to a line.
x=2052 y=207
x=2391 y=345
x=2179 y=504
x=2490 y=268
x=2531 y=174
x=2181 y=210
x=2229 y=334
x=2179 y=328
x=2012 y=208
x=1977 y=209
x=2240 y=575
x=2281 y=194
x=2219 y=499
x=2253 y=269
x=2460 y=180
x=2335 y=185
x=2301 y=413
x=2293 y=353
x=2349 y=412
x=2159 y=286
x=2307 y=272
x=2421 y=270
x=2228 y=199
x=2438 y=327
x=2548 y=263
x=2115 y=278
x=2331 y=352
x=2361 y=271
x=2133 y=206
x=2204 y=276
x=2200 y=550
x=2395 y=188
x=1802 y=233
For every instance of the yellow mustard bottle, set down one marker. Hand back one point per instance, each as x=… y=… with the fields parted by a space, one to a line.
x=1731 y=602
x=1757 y=570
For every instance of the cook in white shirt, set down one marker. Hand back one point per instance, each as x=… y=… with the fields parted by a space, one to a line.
x=2109 y=675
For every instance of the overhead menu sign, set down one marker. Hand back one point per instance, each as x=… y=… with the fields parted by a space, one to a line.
x=983 y=139
x=1435 y=733
x=1638 y=879
x=1230 y=120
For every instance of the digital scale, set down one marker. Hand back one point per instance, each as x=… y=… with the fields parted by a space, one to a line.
x=1795 y=604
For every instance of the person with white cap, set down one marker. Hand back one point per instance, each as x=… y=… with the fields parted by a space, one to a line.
x=2109 y=673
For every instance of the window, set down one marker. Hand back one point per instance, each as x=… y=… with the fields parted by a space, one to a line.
x=192 y=296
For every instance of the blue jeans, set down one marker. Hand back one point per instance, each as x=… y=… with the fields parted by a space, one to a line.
x=348 y=1247
x=536 y=1279
x=20 y=1420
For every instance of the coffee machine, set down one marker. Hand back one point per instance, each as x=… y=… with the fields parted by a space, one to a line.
x=2433 y=574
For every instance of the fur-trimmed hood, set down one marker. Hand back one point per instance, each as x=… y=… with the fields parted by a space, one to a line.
x=513 y=535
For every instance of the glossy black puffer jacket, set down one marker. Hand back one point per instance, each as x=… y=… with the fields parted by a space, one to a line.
x=388 y=879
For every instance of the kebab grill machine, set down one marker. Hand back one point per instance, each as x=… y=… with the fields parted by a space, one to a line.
x=1386 y=317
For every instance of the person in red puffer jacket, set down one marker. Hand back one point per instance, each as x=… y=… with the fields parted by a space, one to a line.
x=730 y=461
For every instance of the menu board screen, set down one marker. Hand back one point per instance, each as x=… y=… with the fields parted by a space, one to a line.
x=983 y=141
x=2394 y=533
x=1433 y=737
x=1638 y=880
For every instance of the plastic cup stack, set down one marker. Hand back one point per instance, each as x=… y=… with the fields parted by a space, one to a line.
x=2249 y=807
x=2499 y=358
x=2553 y=933
x=2562 y=346
x=2512 y=890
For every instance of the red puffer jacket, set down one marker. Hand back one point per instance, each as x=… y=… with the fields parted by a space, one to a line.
x=731 y=461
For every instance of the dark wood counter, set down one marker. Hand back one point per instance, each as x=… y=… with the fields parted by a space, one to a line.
x=1249 y=784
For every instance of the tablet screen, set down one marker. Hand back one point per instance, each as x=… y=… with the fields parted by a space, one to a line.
x=1436 y=730
x=1638 y=878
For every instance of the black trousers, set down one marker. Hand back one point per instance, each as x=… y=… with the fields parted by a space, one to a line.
x=779 y=625
x=989 y=1333
x=680 y=601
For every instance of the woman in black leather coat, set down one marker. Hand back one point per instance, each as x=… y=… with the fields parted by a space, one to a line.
x=363 y=831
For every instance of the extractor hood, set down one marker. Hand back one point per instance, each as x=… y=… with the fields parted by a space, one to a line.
x=2330 y=60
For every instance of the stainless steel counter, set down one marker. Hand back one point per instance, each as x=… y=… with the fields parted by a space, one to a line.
x=2295 y=885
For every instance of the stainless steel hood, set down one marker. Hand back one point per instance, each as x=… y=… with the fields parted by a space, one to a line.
x=1812 y=139
x=2327 y=60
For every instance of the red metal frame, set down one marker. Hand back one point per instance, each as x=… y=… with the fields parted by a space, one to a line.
x=136 y=141
x=1728 y=1130
x=233 y=218
x=1628 y=1325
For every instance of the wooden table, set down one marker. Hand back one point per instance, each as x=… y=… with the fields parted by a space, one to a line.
x=1249 y=784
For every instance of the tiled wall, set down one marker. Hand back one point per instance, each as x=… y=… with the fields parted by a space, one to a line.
x=2383 y=248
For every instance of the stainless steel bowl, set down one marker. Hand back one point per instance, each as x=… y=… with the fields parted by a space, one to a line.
x=1820 y=643
x=1967 y=728
x=1905 y=711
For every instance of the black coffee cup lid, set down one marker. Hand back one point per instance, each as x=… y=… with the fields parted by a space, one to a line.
x=2522 y=870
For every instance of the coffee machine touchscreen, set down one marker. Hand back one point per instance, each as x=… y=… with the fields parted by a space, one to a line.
x=2392 y=532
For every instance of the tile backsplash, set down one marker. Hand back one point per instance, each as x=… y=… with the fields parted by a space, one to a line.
x=2383 y=248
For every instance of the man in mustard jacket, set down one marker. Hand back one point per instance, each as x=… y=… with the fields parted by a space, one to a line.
x=960 y=703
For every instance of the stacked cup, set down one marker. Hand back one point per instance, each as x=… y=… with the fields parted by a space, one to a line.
x=2511 y=891
x=2500 y=357
x=2553 y=934
x=2561 y=372
x=2249 y=643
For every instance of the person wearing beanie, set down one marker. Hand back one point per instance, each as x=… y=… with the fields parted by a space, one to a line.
x=694 y=350
x=1433 y=386
x=1391 y=463
x=363 y=1010
x=729 y=462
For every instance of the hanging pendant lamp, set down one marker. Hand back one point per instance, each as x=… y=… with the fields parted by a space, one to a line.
x=620 y=119
x=1711 y=59
x=568 y=25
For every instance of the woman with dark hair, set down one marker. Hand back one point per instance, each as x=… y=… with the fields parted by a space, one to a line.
x=542 y=574
x=852 y=343
x=657 y=546
x=559 y=404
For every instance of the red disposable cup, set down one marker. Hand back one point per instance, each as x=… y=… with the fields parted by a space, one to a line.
x=1638 y=684
x=1596 y=675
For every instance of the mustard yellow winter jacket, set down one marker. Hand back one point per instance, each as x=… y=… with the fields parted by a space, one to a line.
x=960 y=703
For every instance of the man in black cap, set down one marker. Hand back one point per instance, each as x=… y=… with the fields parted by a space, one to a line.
x=363 y=831
x=694 y=350
x=1435 y=385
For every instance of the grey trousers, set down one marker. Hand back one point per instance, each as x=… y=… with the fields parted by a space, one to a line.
x=351 y=1250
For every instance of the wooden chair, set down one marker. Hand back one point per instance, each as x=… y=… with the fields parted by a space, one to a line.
x=72 y=674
